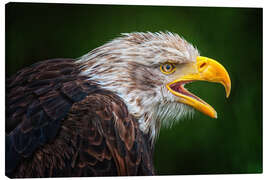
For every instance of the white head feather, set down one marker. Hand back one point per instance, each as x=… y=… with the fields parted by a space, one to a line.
x=129 y=66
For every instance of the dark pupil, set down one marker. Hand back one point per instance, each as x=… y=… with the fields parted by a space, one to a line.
x=168 y=66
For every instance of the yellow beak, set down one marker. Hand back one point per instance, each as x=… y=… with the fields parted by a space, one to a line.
x=206 y=70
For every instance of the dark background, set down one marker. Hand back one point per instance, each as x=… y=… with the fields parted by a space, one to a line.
x=233 y=36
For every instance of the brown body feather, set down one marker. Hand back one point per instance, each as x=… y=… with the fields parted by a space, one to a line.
x=59 y=124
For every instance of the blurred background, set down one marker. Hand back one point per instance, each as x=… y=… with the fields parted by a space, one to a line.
x=233 y=36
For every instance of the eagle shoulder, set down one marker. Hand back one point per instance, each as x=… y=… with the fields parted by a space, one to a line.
x=107 y=116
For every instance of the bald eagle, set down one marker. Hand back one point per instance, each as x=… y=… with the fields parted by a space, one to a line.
x=99 y=115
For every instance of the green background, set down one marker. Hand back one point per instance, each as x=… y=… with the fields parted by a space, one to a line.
x=233 y=36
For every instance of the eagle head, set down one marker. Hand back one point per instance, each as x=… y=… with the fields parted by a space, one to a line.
x=149 y=72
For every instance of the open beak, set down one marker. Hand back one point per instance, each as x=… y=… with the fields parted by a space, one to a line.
x=206 y=69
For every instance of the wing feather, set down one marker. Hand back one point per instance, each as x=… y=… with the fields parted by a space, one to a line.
x=37 y=99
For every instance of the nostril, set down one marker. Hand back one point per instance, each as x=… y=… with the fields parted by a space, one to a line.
x=202 y=65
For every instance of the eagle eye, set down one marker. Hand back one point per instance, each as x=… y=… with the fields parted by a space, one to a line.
x=167 y=68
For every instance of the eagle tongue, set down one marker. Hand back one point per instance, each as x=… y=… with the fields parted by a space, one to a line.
x=178 y=87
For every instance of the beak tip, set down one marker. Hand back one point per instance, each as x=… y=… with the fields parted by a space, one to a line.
x=227 y=88
x=228 y=92
x=215 y=116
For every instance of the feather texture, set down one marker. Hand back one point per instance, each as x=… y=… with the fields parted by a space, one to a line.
x=60 y=124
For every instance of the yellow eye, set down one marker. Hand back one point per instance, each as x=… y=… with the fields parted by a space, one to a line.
x=167 y=68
